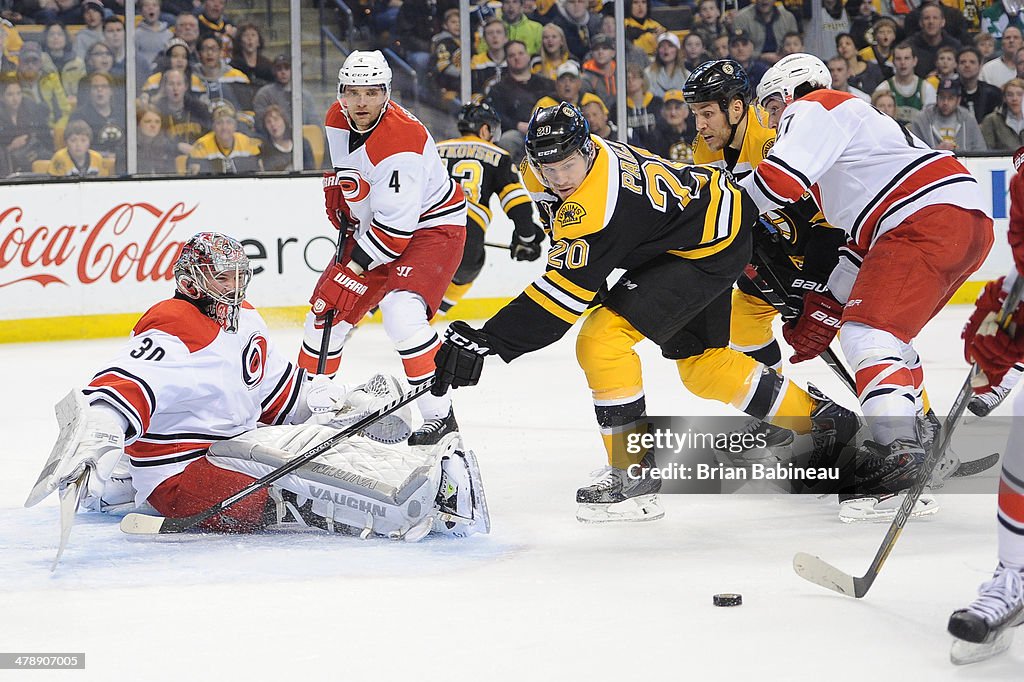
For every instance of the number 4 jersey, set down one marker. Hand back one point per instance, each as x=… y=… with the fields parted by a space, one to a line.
x=632 y=208
x=393 y=181
x=182 y=383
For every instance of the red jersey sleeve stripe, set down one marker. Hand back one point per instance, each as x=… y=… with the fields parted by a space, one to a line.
x=779 y=182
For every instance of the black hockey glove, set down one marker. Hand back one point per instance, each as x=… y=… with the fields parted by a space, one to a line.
x=529 y=249
x=460 y=359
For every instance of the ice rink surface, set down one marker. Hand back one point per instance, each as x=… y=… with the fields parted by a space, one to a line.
x=541 y=598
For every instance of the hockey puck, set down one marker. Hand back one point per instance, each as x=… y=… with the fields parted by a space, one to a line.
x=728 y=599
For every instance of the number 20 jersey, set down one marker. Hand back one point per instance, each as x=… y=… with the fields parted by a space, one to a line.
x=631 y=208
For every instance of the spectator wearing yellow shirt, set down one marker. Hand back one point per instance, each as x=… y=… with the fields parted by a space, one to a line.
x=225 y=150
x=77 y=159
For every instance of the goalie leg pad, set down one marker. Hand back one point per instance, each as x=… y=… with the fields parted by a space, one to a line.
x=378 y=489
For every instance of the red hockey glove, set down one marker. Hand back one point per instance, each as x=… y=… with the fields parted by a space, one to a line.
x=812 y=332
x=334 y=200
x=988 y=344
x=339 y=289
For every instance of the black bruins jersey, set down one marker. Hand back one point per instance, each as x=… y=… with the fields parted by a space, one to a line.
x=632 y=207
x=483 y=170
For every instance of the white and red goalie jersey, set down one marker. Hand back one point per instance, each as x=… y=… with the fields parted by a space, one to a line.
x=182 y=383
x=394 y=182
x=866 y=173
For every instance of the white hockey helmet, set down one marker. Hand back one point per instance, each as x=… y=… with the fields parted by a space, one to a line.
x=363 y=67
x=789 y=73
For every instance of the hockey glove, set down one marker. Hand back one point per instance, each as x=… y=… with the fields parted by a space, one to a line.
x=814 y=330
x=460 y=359
x=339 y=289
x=527 y=248
x=334 y=200
x=988 y=344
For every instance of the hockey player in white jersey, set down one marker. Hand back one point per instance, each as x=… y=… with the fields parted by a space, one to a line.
x=391 y=192
x=917 y=227
x=983 y=628
x=171 y=422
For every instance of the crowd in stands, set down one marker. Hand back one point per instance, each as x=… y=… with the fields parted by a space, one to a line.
x=952 y=72
x=208 y=100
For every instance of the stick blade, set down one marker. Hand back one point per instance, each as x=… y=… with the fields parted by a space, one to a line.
x=816 y=570
x=141 y=524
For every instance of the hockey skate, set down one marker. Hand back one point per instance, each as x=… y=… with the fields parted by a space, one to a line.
x=461 y=505
x=981 y=405
x=834 y=432
x=433 y=430
x=771 y=441
x=882 y=475
x=616 y=496
x=984 y=628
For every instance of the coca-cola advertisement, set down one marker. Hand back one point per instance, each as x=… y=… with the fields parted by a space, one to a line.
x=102 y=248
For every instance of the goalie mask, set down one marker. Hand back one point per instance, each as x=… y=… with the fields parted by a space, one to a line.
x=213 y=271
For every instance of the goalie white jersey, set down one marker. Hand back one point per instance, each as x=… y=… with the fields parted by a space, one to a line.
x=866 y=173
x=182 y=383
x=394 y=182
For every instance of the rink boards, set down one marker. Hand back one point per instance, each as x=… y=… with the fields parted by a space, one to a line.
x=81 y=260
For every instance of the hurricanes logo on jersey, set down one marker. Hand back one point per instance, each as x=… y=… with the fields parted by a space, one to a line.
x=353 y=187
x=254 y=360
x=570 y=214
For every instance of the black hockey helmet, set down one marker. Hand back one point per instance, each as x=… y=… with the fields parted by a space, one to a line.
x=473 y=115
x=722 y=81
x=555 y=133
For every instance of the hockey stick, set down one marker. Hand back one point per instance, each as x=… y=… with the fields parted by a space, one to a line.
x=325 y=339
x=494 y=245
x=144 y=524
x=771 y=293
x=820 y=572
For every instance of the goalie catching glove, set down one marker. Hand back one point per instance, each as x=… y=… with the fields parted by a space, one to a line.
x=340 y=405
x=812 y=332
x=460 y=359
x=986 y=342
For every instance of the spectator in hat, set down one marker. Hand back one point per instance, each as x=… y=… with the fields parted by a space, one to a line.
x=224 y=150
x=599 y=70
x=553 y=52
x=766 y=24
x=92 y=15
x=279 y=92
x=641 y=30
x=1003 y=129
x=596 y=113
x=978 y=97
x=668 y=70
x=520 y=27
x=43 y=88
x=946 y=124
x=568 y=87
x=675 y=130
x=741 y=49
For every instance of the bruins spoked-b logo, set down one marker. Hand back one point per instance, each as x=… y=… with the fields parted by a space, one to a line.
x=254 y=360
x=570 y=213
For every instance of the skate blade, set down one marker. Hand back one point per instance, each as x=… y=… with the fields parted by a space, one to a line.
x=640 y=508
x=857 y=511
x=964 y=653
